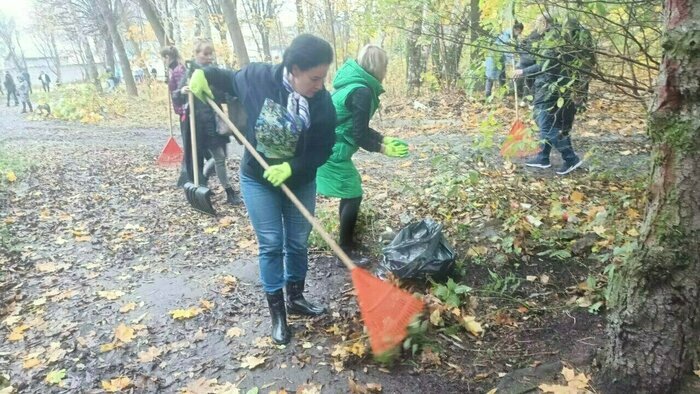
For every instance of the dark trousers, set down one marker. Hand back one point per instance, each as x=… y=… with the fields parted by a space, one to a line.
x=349 y=210
x=46 y=87
x=12 y=93
x=187 y=169
x=555 y=126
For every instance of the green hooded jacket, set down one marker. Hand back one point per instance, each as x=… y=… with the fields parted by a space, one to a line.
x=339 y=177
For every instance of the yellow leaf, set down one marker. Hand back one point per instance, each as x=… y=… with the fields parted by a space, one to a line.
x=234 y=332
x=30 y=363
x=111 y=294
x=633 y=232
x=149 y=355
x=225 y=221
x=208 y=305
x=358 y=348
x=474 y=327
x=600 y=230
x=579 y=381
x=116 y=384
x=251 y=362
x=12 y=320
x=17 y=333
x=697 y=372
x=632 y=213
x=83 y=238
x=107 y=347
x=127 y=307
x=124 y=333
x=492 y=391
x=55 y=376
x=11 y=177
x=436 y=318
x=307 y=345
x=211 y=230
x=185 y=313
x=576 y=197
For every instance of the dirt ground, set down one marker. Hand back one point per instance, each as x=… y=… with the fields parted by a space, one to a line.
x=103 y=238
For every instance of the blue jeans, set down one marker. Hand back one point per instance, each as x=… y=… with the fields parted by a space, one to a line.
x=281 y=230
x=551 y=125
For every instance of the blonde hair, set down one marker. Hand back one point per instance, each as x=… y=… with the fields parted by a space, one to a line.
x=374 y=60
x=201 y=44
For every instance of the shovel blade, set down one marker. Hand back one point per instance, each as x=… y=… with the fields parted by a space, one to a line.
x=199 y=198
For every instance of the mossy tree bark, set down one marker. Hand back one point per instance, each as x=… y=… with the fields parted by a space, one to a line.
x=654 y=324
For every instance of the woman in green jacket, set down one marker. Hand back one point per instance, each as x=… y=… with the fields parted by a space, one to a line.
x=357 y=85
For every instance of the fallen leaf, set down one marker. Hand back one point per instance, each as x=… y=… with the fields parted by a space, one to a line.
x=307 y=345
x=531 y=278
x=600 y=230
x=127 y=307
x=234 y=332
x=55 y=376
x=31 y=363
x=225 y=221
x=12 y=320
x=208 y=305
x=17 y=333
x=474 y=327
x=199 y=335
x=211 y=230
x=251 y=362
x=535 y=221
x=633 y=232
x=625 y=153
x=697 y=372
x=436 y=318
x=185 y=313
x=544 y=279
x=124 y=333
x=107 y=347
x=576 y=197
x=39 y=301
x=149 y=355
x=116 y=384
x=110 y=294
x=374 y=387
x=632 y=213
x=10 y=176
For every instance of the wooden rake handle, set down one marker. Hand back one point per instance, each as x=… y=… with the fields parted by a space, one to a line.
x=305 y=212
x=193 y=139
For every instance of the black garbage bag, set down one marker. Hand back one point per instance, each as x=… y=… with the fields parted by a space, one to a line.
x=419 y=250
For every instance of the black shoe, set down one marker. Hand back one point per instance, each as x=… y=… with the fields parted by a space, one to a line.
x=568 y=167
x=297 y=304
x=280 y=331
x=356 y=258
x=231 y=196
x=538 y=163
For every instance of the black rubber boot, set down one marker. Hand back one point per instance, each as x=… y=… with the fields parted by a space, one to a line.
x=297 y=304
x=231 y=196
x=280 y=331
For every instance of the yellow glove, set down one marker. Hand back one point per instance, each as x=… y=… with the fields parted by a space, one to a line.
x=277 y=174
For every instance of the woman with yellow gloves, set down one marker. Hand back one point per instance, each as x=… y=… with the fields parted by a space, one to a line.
x=290 y=121
x=357 y=85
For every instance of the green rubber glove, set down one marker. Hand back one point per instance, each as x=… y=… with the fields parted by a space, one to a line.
x=277 y=174
x=396 y=149
x=392 y=140
x=199 y=85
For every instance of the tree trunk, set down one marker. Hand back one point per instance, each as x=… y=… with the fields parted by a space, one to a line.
x=300 y=16
x=203 y=12
x=92 y=68
x=654 y=324
x=230 y=8
x=111 y=23
x=331 y=21
x=154 y=20
x=265 y=41
x=56 y=56
x=109 y=47
x=413 y=58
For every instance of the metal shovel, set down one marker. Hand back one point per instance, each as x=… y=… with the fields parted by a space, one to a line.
x=199 y=197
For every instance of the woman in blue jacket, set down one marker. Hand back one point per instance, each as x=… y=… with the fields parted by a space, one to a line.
x=291 y=122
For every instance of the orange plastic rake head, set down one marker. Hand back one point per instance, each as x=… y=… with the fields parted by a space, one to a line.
x=171 y=154
x=519 y=142
x=386 y=310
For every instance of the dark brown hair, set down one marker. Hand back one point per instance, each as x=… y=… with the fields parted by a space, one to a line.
x=171 y=52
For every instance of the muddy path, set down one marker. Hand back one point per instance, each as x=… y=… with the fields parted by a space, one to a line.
x=104 y=239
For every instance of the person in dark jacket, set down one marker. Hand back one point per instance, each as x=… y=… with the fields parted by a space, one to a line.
x=554 y=108
x=291 y=122
x=357 y=85
x=45 y=81
x=177 y=79
x=11 y=88
x=206 y=123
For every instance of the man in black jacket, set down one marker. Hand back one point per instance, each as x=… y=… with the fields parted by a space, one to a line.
x=554 y=107
x=11 y=88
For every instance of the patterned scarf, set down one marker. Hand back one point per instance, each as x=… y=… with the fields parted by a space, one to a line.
x=297 y=106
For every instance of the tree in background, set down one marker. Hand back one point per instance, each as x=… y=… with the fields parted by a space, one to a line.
x=110 y=20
